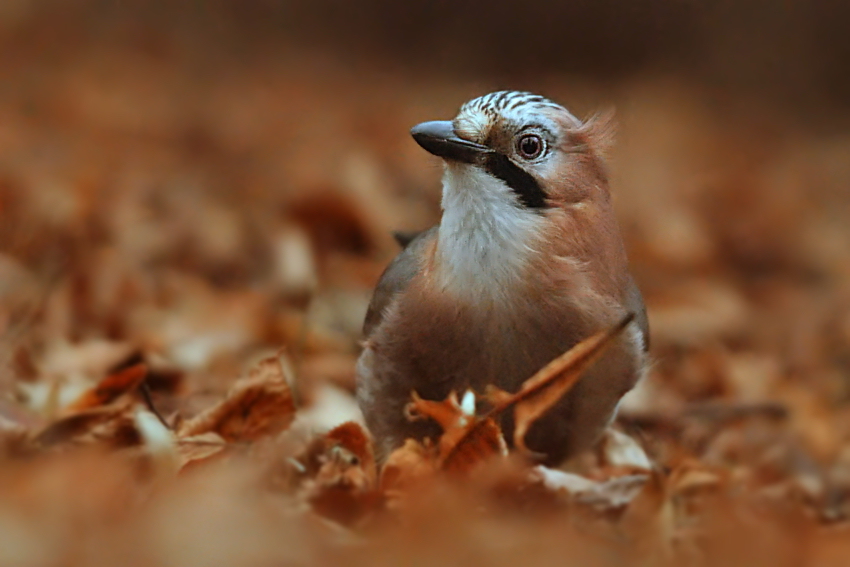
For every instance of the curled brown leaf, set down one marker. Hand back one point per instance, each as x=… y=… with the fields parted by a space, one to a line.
x=344 y=487
x=110 y=388
x=408 y=467
x=90 y=424
x=553 y=381
x=199 y=448
x=257 y=405
x=467 y=439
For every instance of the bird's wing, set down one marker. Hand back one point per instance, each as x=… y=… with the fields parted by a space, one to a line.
x=634 y=303
x=397 y=275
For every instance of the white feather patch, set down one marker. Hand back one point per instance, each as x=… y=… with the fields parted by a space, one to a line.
x=485 y=238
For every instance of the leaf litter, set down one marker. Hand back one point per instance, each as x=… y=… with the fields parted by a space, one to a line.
x=161 y=234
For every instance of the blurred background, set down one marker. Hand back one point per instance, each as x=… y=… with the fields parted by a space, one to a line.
x=198 y=182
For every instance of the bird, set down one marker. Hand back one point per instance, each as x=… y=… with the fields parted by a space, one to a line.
x=526 y=261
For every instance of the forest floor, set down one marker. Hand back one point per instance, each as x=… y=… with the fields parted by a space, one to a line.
x=198 y=238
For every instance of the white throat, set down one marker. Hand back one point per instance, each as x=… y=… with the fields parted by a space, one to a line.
x=485 y=239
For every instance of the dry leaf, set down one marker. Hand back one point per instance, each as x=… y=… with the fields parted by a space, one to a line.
x=343 y=489
x=481 y=441
x=467 y=440
x=352 y=438
x=408 y=467
x=552 y=382
x=88 y=423
x=121 y=231
x=199 y=448
x=110 y=388
x=258 y=405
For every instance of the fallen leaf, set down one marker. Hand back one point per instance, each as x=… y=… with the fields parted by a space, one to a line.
x=482 y=440
x=162 y=377
x=90 y=358
x=199 y=448
x=344 y=487
x=552 y=382
x=257 y=405
x=294 y=263
x=467 y=439
x=408 y=467
x=690 y=485
x=351 y=448
x=79 y=424
x=110 y=388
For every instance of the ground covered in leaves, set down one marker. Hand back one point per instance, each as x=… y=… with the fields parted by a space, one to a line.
x=188 y=243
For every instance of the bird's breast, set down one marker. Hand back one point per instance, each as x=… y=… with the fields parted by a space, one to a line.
x=433 y=342
x=441 y=343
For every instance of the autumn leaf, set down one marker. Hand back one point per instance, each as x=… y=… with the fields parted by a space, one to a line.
x=344 y=487
x=83 y=423
x=552 y=382
x=139 y=227
x=199 y=448
x=408 y=467
x=467 y=439
x=110 y=388
x=481 y=441
x=257 y=405
x=353 y=439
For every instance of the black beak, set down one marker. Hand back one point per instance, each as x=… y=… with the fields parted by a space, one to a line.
x=439 y=138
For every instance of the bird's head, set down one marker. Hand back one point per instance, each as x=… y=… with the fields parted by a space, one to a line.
x=522 y=146
x=525 y=189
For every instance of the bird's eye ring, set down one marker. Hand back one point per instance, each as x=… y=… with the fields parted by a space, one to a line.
x=530 y=146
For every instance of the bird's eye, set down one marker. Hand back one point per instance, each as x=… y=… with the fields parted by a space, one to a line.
x=530 y=146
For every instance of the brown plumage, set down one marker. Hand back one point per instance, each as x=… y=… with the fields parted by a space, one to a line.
x=526 y=261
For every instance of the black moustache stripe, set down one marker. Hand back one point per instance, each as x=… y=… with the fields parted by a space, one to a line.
x=526 y=187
